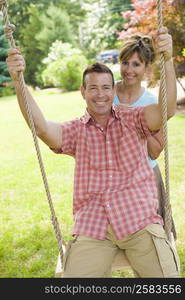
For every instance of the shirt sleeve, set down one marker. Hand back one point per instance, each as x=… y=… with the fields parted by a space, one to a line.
x=134 y=117
x=140 y=122
x=69 y=132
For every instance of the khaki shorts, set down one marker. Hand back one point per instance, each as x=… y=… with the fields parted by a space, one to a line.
x=149 y=252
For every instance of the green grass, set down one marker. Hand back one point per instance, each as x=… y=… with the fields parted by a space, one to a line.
x=28 y=247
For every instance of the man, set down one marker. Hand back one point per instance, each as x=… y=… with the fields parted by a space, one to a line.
x=115 y=197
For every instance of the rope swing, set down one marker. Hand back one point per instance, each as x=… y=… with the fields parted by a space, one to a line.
x=166 y=204
x=9 y=28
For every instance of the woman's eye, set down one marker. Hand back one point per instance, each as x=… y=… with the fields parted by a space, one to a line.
x=136 y=64
x=124 y=63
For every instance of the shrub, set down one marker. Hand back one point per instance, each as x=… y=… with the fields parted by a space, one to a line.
x=58 y=50
x=6 y=91
x=65 y=73
x=64 y=66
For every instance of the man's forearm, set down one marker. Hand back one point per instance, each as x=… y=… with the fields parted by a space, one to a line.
x=38 y=118
x=155 y=144
x=171 y=88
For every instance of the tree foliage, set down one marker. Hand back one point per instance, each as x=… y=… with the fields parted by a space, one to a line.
x=19 y=11
x=30 y=47
x=98 y=31
x=55 y=25
x=38 y=24
x=112 y=20
x=4 y=75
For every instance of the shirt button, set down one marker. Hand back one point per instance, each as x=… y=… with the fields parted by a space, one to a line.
x=110 y=176
x=110 y=161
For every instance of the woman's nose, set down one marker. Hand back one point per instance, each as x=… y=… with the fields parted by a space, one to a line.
x=129 y=67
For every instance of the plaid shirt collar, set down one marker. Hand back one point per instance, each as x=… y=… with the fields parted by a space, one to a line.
x=87 y=117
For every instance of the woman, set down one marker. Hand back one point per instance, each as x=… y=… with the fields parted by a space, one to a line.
x=136 y=58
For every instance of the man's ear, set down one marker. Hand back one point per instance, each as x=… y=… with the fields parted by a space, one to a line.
x=82 y=90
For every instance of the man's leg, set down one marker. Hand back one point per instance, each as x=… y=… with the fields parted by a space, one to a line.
x=150 y=254
x=89 y=257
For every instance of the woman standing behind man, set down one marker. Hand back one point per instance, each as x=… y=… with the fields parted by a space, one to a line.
x=136 y=57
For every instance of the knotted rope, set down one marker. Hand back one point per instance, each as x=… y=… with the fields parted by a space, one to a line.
x=167 y=206
x=9 y=28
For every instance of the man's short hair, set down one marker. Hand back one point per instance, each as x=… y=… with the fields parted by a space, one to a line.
x=96 y=68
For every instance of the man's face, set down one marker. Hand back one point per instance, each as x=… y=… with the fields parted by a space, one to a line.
x=99 y=94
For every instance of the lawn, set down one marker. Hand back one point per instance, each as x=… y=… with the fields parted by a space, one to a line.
x=28 y=247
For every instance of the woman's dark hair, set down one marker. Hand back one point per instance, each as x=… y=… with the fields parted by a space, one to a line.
x=97 y=68
x=142 y=45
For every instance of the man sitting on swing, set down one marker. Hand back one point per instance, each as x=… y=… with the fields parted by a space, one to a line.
x=115 y=197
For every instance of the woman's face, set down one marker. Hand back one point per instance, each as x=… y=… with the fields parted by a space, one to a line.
x=132 y=70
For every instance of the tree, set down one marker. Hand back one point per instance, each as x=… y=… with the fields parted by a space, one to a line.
x=112 y=20
x=175 y=21
x=98 y=31
x=30 y=47
x=55 y=26
x=19 y=11
x=33 y=34
x=38 y=34
x=4 y=75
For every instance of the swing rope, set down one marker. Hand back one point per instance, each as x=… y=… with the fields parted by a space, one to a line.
x=166 y=202
x=9 y=28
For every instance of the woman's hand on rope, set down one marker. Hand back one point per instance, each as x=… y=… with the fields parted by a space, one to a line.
x=163 y=43
x=15 y=63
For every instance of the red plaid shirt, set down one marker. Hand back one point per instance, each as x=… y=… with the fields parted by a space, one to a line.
x=113 y=182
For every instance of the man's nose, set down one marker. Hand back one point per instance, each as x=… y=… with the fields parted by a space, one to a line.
x=100 y=92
